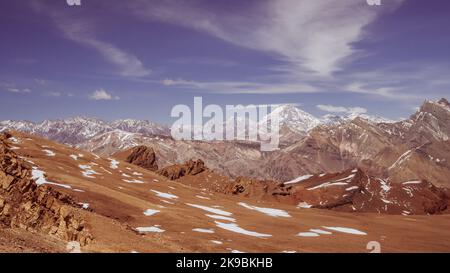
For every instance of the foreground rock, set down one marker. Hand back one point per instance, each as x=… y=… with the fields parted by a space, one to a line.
x=27 y=206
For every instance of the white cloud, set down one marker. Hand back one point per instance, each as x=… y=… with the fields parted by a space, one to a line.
x=54 y=94
x=385 y=91
x=342 y=109
x=13 y=88
x=41 y=81
x=102 y=94
x=315 y=36
x=18 y=90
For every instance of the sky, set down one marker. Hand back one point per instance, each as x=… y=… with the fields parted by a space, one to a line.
x=137 y=59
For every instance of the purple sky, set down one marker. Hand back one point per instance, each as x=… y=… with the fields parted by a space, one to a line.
x=136 y=59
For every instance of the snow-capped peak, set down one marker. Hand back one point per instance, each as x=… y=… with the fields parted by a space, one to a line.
x=293 y=118
x=331 y=119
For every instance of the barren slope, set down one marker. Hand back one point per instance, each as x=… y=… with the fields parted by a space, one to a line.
x=131 y=209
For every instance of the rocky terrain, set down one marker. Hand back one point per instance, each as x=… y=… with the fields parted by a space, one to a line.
x=27 y=206
x=413 y=149
x=109 y=205
x=144 y=157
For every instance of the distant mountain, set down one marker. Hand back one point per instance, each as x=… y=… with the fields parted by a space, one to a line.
x=77 y=130
x=293 y=118
x=331 y=119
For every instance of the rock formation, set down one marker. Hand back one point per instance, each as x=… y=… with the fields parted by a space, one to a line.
x=192 y=167
x=144 y=157
x=27 y=206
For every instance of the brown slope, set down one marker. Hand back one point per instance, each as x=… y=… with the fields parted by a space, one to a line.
x=118 y=203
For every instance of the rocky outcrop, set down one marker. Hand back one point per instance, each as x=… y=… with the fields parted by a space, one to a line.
x=248 y=187
x=192 y=167
x=353 y=190
x=144 y=157
x=27 y=206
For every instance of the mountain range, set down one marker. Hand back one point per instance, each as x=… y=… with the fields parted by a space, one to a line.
x=414 y=148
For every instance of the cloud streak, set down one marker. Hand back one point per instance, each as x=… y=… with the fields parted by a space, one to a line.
x=341 y=109
x=128 y=64
x=241 y=87
x=309 y=36
x=80 y=30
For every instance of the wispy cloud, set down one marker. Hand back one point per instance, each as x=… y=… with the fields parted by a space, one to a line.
x=102 y=94
x=54 y=94
x=18 y=90
x=238 y=87
x=204 y=61
x=81 y=30
x=41 y=81
x=128 y=64
x=341 y=109
x=315 y=36
x=13 y=88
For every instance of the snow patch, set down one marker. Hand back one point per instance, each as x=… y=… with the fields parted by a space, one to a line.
x=202 y=197
x=149 y=229
x=150 y=212
x=114 y=163
x=299 y=179
x=411 y=182
x=346 y=230
x=308 y=234
x=14 y=140
x=49 y=152
x=84 y=205
x=268 y=211
x=165 y=195
x=134 y=181
x=352 y=188
x=235 y=228
x=73 y=247
x=39 y=176
x=320 y=231
x=220 y=217
x=304 y=205
x=87 y=171
x=203 y=230
x=212 y=210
